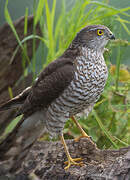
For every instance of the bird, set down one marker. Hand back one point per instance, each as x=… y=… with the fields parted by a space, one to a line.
x=67 y=86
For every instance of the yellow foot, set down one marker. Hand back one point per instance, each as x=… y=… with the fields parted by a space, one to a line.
x=73 y=162
x=81 y=130
x=83 y=136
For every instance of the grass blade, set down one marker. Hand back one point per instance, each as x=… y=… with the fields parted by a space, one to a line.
x=39 y=11
x=9 y=20
x=104 y=129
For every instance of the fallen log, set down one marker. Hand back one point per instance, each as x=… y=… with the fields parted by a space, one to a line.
x=45 y=161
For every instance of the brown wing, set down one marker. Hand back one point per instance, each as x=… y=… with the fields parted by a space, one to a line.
x=50 y=84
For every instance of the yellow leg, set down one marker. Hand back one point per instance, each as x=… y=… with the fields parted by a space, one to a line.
x=70 y=161
x=84 y=134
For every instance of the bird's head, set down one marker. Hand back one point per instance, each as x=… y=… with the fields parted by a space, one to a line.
x=94 y=36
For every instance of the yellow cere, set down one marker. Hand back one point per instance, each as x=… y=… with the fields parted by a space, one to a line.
x=100 y=32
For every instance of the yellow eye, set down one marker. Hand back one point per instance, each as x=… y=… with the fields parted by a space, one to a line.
x=100 y=32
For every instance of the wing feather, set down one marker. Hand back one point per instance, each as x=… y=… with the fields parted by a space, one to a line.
x=50 y=84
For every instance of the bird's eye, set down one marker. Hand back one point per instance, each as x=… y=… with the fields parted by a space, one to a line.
x=100 y=32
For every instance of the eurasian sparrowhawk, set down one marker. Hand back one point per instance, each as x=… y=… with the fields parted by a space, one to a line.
x=67 y=86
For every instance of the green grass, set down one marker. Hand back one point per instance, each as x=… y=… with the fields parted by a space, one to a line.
x=109 y=122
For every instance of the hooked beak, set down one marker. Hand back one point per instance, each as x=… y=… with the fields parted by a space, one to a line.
x=111 y=36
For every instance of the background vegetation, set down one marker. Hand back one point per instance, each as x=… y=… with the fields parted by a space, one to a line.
x=109 y=122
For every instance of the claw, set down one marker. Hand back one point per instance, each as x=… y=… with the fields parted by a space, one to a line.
x=83 y=136
x=73 y=162
x=70 y=161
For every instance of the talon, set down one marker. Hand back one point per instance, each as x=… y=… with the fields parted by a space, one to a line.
x=73 y=162
x=70 y=161
x=83 y=136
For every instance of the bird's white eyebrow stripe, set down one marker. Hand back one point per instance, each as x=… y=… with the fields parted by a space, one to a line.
x=94 y=29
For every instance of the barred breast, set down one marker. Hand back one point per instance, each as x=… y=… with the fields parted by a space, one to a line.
x=85 y=89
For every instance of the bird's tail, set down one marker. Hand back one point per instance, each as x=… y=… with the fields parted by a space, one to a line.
x=14 y=148
x=16 y=101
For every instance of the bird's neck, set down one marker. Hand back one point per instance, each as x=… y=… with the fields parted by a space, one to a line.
x=90 y=62
x=76 y=50
x=92 y=55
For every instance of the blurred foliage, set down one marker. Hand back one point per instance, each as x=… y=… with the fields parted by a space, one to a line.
x=109 y=122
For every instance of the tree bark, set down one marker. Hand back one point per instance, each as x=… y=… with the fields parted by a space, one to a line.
x=45 y=161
